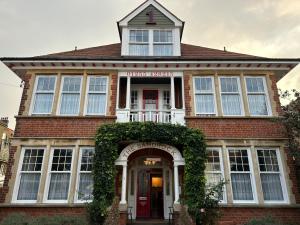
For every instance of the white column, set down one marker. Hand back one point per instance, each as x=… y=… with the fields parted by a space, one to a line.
x=124 y=183
x=128 y=93
x=176 y=184
x=172 y=93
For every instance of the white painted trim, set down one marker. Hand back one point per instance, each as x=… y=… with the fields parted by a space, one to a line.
x=76 y=200
x=60 y=95
x=47 y=183
x=281 y=175
x=213 y=92
x=266 y=93
x=33 y=97
x=124 y=21
x=17 y=181
x=87 y=93
x=251 y=172
x=219 y=149
x=242 y=108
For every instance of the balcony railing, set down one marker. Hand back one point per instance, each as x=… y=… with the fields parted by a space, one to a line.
x=156 y=116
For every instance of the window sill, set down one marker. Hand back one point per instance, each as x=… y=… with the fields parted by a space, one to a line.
x=42 y=205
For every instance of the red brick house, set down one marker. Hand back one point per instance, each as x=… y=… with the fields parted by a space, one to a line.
x=150 y=76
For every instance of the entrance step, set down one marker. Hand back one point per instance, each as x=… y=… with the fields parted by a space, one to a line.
x=150 y=222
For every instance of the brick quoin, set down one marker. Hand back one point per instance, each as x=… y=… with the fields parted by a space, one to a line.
x=113 y=96
x=26 y=78
x=276 y=95
x=60 y=126
x=187 y=94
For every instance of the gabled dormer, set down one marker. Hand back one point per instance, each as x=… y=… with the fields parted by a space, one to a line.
x=150 y=30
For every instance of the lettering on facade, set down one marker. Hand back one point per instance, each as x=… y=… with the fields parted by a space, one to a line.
x=150 y=74
x=138 y=146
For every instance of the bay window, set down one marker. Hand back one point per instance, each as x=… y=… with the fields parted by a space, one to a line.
x=44 y=94
x=241 y=175
x=59 y=175
x=214 y=171
x=271 y=177
x=162 y=43
x=257 y=96
x=139 y=42
x=28 y=180
x=85 y=178
x=204 y=96
x=231 y=96
x=96 y=95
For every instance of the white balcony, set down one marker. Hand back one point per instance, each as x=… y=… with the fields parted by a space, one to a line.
x=155 y=116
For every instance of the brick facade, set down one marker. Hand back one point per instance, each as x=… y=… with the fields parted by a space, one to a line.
x=26 y=78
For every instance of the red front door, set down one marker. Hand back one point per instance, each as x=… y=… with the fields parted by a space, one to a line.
x=143 y=194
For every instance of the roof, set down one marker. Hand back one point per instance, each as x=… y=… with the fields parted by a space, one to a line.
x=113 y=51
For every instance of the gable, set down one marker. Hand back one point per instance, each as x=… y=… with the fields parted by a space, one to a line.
x=158 y=18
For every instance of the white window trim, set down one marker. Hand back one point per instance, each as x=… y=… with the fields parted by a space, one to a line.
x=281 y=176
x=76 y=200
x=35 y=92
x=98 y=92
x=49 y=172
x=213 y=92
x=239 y=92
x=252 y=177
x=17 y=181
x=61 y=92
x=219 y=149
x=151 y=40
x=266 y=93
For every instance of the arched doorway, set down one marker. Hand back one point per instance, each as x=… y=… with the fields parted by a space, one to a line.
x=150 y=173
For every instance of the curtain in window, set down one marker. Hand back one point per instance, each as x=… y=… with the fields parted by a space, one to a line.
x=70 y=104
x=231 y=104
x=163 y=50
x=271 y=186
x=241 y=186
x=139 y=49
x=59 y=186
x=43 y=103
x=85 y=186
x=29 y=185
x=96 y=104
x=205 y=103
x=257 y=104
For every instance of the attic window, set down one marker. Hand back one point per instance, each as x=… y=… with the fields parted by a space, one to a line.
x=139 y=42
x=162 y=43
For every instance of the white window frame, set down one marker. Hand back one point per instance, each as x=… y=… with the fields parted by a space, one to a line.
x=239 y=92
x=45 y=92
x=139 y=43
x=266 y=93
x=281 y=176
x=96 y=92
x=163 y=43
x=19 y=171
x=219 y=149
x=213 y=92
x=78 y=175
x=61 y=92
x=251 y=172
x=49 y=172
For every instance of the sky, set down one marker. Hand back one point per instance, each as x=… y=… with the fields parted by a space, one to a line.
x=269 y=28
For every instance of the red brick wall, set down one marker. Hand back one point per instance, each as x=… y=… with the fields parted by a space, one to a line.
x=26 y=78
x=237 y=127
x=187 y=95
x=113 y=95
x=241 y=215
x=59 y=126
x=42 y=211
x=276 y=95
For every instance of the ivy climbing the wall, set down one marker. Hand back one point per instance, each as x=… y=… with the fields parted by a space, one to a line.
x=189 y=141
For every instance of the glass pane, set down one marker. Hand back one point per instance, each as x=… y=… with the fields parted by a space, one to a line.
x=97 y=84
x=72 y=84
x=139 y=36
x=162 y=36
x=96 y=104
x=255 y=84
x=163 y=50
x=29 y=185
x=268 y=161
x=271 y=186
x=59 y=186
x=139 y=50
x=32 y=160
x=229 y=84
x=239 y=160
x=43 y=103
x=257 y=104
x=62 y=159
x=205 y=104
x=203 y=84
x=70 y=104
x=241 y=186
x=46 y=84
x=143 y=180
x=87 y=159
x=86 y=185
x=231 y=104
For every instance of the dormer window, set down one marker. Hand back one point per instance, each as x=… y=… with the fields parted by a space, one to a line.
x=139 y=42
x=162 y=43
